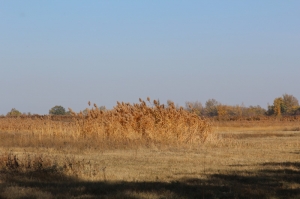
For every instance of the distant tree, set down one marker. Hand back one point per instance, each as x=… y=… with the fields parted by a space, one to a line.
x=270 y=110
x=195 y=107
x=222 y=110
x=14 y=112
x=285 y=105
x=291 y=103
x=237 y=110
x=57 y=110
x=297 y=111
x=211 y=107
x=279 y=106
x=254 y=111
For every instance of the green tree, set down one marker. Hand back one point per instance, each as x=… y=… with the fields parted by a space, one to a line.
x=14 y=112
x=57 y=110
x=270 y=110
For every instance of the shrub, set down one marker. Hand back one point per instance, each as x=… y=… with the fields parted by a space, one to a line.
x=14 y=112
x=57 y=110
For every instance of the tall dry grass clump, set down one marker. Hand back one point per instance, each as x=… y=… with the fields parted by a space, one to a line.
x=155 y=123
x=125 y=123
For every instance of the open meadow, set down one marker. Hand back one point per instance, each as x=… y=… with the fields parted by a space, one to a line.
x=211 y=159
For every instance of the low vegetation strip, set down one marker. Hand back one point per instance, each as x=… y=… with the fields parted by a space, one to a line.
x=152 y=123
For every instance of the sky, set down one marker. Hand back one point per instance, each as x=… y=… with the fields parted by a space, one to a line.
x=67 y=53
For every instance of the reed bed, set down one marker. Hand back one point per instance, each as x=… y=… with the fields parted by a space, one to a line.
x=146 y=122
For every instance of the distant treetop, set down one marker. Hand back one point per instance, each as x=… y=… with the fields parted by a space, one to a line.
x=14 y=112
x=57 y=110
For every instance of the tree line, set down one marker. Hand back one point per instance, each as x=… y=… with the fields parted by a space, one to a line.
x=286 y=105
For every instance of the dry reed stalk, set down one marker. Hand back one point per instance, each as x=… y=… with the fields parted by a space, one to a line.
x=138 y=121
x=125 y=122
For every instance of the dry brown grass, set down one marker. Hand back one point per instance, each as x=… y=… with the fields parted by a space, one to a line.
x=126 y=123
x=155 y=123
x=228 y=165
x=260 y=126
x=245 y=159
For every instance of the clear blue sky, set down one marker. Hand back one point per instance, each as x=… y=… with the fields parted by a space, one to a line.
x=66 y=53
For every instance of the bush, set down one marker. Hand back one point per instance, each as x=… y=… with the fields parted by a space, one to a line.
x=14 y=112
x=57 y=110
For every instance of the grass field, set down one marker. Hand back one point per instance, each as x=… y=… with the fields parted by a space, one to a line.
x=238 y=160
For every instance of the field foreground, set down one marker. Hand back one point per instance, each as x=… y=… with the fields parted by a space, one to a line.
x=256 y=161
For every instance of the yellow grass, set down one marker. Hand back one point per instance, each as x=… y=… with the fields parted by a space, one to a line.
x=239 y=159
x=124 y=123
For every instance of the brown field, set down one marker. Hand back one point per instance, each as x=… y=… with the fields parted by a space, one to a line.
x=239 y=159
